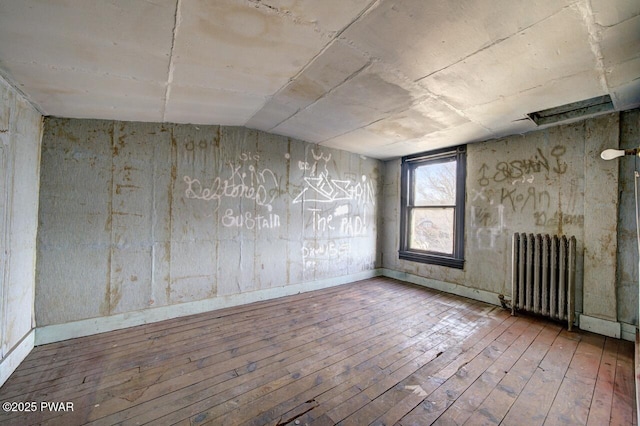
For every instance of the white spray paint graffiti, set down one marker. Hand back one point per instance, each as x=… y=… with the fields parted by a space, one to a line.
x=250 y=221
x=341 y=210
x=329 y=250
x=313 y=168
x=244 y=181
x=324 y=189
x=487 y=228
x=320 y=222
x=353 y=226
x=330 y=256
x=348 y=225
x=329 y=253
x=343 y=202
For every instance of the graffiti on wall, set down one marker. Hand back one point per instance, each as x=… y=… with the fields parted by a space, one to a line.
x=334 y=255
x=250 y=221
x=338 y=219
x=244 y=179
x=487 y=224
x=524 y=170
x=321 y=187
x=522 y=186
x=337 y=206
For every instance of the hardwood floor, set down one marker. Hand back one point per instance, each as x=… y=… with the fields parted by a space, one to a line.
x=375 y=352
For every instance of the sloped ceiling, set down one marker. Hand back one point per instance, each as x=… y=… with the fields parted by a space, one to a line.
x=381 y=78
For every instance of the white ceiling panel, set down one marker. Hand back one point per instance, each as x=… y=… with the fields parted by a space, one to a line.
x=422 y=37
x=382 y=78
x=620 y=47
x=372 y=94
x=338 y=63
x=81 y=94
x=465 y=133
x=552 y=49
x=209 y=105
x=122 y=38
x=607 y=13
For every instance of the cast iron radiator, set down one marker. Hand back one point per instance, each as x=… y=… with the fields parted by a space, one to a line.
x=544 y=275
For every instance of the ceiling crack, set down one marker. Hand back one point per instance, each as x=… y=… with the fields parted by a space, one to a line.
x=285 y=13
x=171 y=67
x=594 y=41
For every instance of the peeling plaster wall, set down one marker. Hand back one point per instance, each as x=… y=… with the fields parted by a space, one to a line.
x=550 y=181
x=20 y=137
x=136 y=216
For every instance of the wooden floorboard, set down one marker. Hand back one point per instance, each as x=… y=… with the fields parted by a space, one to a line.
x=378 y=352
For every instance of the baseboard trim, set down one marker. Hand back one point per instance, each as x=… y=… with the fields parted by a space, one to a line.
x=16 y=355
x=628 y=332
x=460 y=290
x=71 y=330
x=601 y=326
x=87 y=327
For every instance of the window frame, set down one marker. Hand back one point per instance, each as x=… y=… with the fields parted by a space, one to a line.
x=408 y=166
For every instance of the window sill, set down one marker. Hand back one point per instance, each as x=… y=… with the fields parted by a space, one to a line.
x=432 y=259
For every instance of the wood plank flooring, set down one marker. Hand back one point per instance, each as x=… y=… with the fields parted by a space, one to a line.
x=377 y=352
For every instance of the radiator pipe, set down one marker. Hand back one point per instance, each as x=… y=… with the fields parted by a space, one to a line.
x=506 y=304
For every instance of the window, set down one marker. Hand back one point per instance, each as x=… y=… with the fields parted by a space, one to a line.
x=432 y=207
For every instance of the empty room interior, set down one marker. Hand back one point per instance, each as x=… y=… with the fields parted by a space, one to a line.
x=297 y=212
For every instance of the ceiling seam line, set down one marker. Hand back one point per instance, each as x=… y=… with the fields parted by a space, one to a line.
x=349 y=78
x=333 y=40
x=391 y=112
x=492 y=44
x=171 y=66
x=308 y=64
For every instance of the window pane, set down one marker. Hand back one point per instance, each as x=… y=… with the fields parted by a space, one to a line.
x=432 y=230
x=435 y=184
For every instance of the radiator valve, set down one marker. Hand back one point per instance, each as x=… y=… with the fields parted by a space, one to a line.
x=506 y=304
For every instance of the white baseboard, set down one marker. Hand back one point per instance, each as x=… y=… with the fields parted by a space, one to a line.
x=16 y=355
x=628 y=332
x=601 y=326
x=71 y=330
x=460 y=290
x=59 y=332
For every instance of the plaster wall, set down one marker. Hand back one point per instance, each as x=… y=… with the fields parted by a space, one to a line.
x=20 y=137
x=627 y=232
x=136 y=216
x=550 y=181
